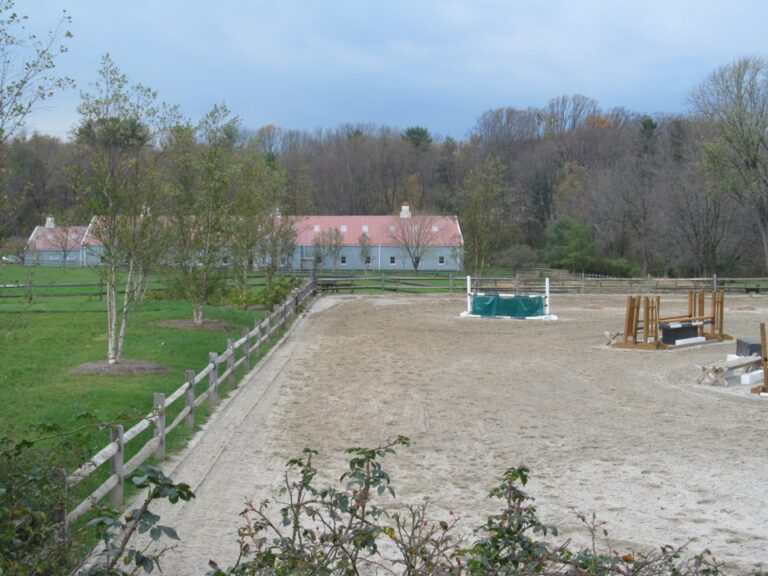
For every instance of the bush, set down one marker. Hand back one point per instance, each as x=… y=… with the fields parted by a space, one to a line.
x=331 y=531
x=516 y=256
x=32 y=506
x=618 y=267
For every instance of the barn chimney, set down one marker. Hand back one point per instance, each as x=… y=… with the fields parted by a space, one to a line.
x=50 y=222
x=405 y=210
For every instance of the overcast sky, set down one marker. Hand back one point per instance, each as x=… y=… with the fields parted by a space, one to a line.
x=306 y=64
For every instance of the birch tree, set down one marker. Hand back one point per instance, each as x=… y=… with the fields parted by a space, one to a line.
x=200 y=163
x=119 y=124
x=27 y=65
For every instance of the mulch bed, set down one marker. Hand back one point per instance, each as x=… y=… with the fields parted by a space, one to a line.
x=122 y=368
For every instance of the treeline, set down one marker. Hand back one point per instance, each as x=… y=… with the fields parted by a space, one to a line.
x=569 y=184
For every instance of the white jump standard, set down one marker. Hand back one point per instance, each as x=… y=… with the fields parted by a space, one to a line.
x=497 y=304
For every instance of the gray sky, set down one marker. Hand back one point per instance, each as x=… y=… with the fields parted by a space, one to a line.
x=303 y=64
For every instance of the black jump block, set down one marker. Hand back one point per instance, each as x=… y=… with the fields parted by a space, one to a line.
x=748 y=347
x=670 y=334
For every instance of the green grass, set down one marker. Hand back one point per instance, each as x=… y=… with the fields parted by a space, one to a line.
x=42 y=341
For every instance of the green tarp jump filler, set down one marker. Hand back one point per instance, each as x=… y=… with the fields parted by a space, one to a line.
x=500 y=305
x=512 y=306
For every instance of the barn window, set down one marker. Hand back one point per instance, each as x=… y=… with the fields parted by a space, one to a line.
x=367 y=260
x=441 y=260
x=392 y=260
x=365 y=228
x=317 y=228
x=434 y=228
x=343 y=227
x=343 y=260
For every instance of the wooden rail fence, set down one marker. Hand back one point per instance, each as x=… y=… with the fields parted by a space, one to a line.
x=426 y=282
x=221 y=368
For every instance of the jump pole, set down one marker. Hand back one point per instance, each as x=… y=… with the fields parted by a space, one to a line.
x=546 y=296
x=469 y=294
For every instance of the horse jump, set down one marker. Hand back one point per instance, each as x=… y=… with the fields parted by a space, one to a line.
x=645 y=328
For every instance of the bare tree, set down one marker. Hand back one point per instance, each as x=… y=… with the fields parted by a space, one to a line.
x=734 y=98
x=66 y=239
x=414 y=235
x=364 y=242
x=328 y=245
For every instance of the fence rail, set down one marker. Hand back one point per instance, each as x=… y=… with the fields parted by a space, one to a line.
x=425 y=282
x=237 y=354
x=559 y=283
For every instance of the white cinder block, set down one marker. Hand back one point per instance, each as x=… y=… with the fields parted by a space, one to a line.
x=752 y=377
x=694 y=340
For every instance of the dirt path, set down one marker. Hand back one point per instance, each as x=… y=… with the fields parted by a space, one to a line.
x=626 y=434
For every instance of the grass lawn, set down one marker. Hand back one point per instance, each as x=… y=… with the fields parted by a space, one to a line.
x=43 y=340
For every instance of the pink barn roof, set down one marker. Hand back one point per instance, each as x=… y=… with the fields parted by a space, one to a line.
x=57 y=237
x=378 y=229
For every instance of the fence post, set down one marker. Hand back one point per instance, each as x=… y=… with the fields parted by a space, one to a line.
x=258 y=339
x=450 y=283
x=189 y=420
x=213 y=378
x=60 y=510
x=116 y=464
x=159 y=403
x=231 y=362
x=247 y=349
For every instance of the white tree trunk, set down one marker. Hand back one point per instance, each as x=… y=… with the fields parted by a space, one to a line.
x=112 y=355
x=127 y=297
x=198 y=311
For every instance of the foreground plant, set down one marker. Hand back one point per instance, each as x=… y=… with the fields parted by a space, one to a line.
x=330 y=531
x=116 y=557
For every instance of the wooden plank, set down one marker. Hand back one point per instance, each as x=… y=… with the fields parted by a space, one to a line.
x=94 y=497
x=97 y=460
x=142 y=455
x=139 y=427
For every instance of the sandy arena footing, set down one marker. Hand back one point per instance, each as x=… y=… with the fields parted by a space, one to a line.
x=626 y=434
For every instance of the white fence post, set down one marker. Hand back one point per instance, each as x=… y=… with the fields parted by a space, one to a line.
x=116 y=464
x=159 y=402
x=231 y=362
x=258 y=339
x=213 y=377
x=189 y=420
x=247 y=349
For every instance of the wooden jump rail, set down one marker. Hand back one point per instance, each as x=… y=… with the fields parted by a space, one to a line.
x=718 y=374
x=763 y=388
x=643 y=322
x=220 y=369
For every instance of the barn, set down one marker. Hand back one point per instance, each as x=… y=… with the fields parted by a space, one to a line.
x=378 y=243
x=53 y=245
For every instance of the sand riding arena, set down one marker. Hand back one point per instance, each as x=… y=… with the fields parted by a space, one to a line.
x=626 y=434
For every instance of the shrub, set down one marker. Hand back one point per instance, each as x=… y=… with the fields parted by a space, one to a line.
x=332 y=531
